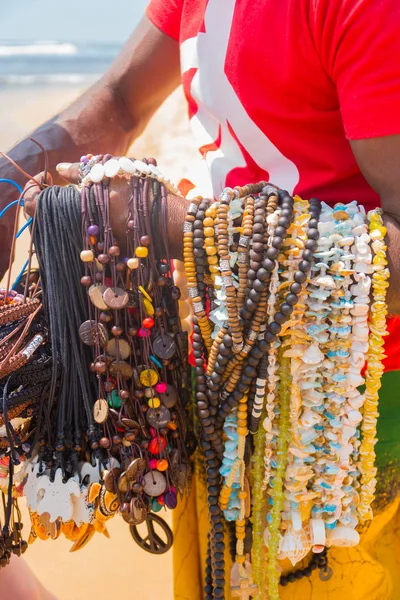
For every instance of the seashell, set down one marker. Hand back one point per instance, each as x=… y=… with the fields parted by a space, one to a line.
x=320 y=294
x=363 y=267
x=358 y=219
x=273 y=219
x=362 y=248
x=299 y=452
x=357 y=359
x=335 y=237
x=326 y=281
x=340 y=215
x=325 y=254
x=293 y=353
x=346 y=241
x=344 y=537
x=313 y=355
x=296 y=544
x=325 y=228
x=310 y=418
x=322 y=266
x=354 y=416
x=360 y=333
x=357 y=402
x=360 y=310
x=307 y=435
x=360 y=229
x=354 y=380
x=348 y=432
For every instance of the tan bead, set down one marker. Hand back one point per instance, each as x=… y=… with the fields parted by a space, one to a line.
x=87 y=256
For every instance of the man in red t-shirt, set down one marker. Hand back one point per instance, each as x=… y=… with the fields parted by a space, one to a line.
x=303 y=92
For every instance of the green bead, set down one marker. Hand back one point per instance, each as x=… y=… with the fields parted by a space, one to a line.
x=155 y=505
x=114 y=400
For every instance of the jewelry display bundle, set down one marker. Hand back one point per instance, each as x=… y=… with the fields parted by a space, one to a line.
x=286 y=325
x=289 y=308
x=94 y=371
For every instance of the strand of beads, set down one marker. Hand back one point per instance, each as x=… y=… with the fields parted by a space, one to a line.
x=93 y=169
x=288 y=346
x=293 y=348
x=377 y=315
x=277 y=495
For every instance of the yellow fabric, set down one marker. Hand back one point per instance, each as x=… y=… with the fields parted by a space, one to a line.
x=371 y=571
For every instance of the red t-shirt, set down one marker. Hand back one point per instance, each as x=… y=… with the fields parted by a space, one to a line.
x=276 y=88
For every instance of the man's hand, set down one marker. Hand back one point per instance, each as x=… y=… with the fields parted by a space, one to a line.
x=120 y=191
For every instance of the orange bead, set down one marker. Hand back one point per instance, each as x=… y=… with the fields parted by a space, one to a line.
x=162 y=465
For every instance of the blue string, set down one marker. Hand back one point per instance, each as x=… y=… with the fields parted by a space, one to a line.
x=14 y=183
x=14 y=202
x=5 y=209
x=21 y=231
x=16 y=282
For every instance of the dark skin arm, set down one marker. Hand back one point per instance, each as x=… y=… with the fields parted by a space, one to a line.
x=106 y=118
x=378 y=160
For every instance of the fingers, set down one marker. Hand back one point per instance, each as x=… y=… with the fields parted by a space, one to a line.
x=32 y=190
x=69 y=171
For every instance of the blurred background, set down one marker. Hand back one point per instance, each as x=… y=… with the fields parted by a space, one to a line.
x=51 y=51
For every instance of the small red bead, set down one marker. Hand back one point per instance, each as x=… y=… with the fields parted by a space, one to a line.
x=145 y=240
x=114 y=251
x=105 y=317
x=157 y=445
x=103 y=259
x=148 y=323
x=109 y=386
x=86 y=280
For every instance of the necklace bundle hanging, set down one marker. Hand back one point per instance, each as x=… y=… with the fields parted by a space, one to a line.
x=107 y=426
x=288 y=300
x=289 y=328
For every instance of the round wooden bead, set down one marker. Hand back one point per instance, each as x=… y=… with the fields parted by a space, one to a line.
x=103 y=259
x=86 y=280
x=87 y=256
x=114 y=251
x=145 y=240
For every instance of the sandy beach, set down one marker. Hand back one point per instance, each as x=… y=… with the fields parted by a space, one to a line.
x=131 y=572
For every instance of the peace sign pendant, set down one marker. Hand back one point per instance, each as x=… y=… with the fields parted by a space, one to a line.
x=154 y=542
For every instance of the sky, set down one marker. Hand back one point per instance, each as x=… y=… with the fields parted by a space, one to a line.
x=69 y=20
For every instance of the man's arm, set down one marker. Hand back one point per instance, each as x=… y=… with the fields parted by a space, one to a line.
x=106 y=118
x=378 y=159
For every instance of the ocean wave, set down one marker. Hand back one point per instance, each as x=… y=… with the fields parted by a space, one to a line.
x=39 y=49
x=49 y=79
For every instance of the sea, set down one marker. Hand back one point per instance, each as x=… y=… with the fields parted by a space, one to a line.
x=27 y=63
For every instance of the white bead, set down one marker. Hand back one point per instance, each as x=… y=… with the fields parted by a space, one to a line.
x=97 y=173
x=153 y=169
x=133 y=263
x=141 y=166
x=126 y=164
x=111 y=167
